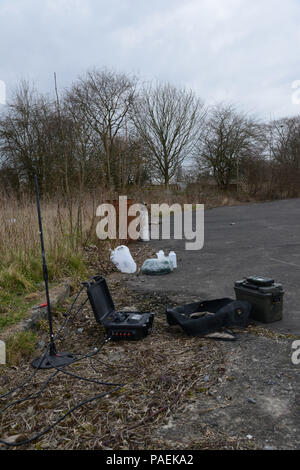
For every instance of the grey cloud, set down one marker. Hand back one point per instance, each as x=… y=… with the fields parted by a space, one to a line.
x=246 y=52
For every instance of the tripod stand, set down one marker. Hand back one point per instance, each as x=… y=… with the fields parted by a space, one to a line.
x=52 y=358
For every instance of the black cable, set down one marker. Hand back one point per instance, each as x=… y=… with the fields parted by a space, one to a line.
x=58 y=370
x=80 y=377
x=47 y=347
x=31 y=396
x=29 y=379
x=68 y=315
x=86 y=379
x=79 y=405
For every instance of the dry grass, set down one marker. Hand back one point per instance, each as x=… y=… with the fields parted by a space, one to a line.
x=65 y=231
x=68 y=228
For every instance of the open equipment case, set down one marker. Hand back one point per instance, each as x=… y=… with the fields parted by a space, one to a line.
x=220 y=313
x=125 y=326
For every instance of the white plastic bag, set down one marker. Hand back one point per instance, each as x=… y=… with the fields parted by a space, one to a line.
x=160 y=254
x=171 y=257
x=122 y=259
x=157 y=266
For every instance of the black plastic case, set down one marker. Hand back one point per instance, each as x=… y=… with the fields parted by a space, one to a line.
x=129 y=326
x=227 y=313
x=265 y=296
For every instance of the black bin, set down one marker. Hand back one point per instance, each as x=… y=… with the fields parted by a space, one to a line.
x=265 y=296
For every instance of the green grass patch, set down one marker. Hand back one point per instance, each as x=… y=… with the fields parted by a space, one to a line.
x=26 y=273
x=13 y=307
x=20 y=346
x=22 y=278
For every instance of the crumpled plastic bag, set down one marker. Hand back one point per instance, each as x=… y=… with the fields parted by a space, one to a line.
x=122 y=259
x=157 y=266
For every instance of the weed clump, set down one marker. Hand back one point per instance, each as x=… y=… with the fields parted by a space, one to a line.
x=20 y=347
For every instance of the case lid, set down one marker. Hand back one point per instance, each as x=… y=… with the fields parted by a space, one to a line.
x=100 y=298
x=260 y=281
x=261 y=286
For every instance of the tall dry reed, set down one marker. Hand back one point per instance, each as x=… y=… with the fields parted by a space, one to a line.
x=68 y=227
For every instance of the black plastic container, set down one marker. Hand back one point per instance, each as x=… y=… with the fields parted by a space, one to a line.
x=226 y=313
x=265 y=296
x=129 y=326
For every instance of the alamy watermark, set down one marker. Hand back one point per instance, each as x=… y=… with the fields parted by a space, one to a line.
x=136 y=222
x=296 y=353
x=2 y=353
x=2 y=92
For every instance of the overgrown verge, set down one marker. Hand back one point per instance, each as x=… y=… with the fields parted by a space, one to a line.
x=21 y=274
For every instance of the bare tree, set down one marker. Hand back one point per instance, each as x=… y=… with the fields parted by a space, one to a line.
x=167 y=120
x=284 y=154
x=285 y=142
x=229 y=137
x=27 y=135
x=105 y=98
x=102 y=132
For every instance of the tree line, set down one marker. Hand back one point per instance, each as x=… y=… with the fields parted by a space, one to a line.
x=108 y=130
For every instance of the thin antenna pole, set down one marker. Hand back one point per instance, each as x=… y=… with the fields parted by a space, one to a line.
x=45 y=270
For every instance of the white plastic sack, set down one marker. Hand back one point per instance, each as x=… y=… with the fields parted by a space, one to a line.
x=122 y=259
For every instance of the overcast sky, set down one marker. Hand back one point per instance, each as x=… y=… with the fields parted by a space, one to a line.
x=243 y=51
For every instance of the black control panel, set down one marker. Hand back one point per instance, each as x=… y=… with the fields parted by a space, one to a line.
x=125 y=326
x=129 y=326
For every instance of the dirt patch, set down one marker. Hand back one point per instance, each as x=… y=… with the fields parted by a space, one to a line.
x=255 y=401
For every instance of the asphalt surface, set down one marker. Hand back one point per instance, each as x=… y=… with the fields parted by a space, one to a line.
x=240 y=241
